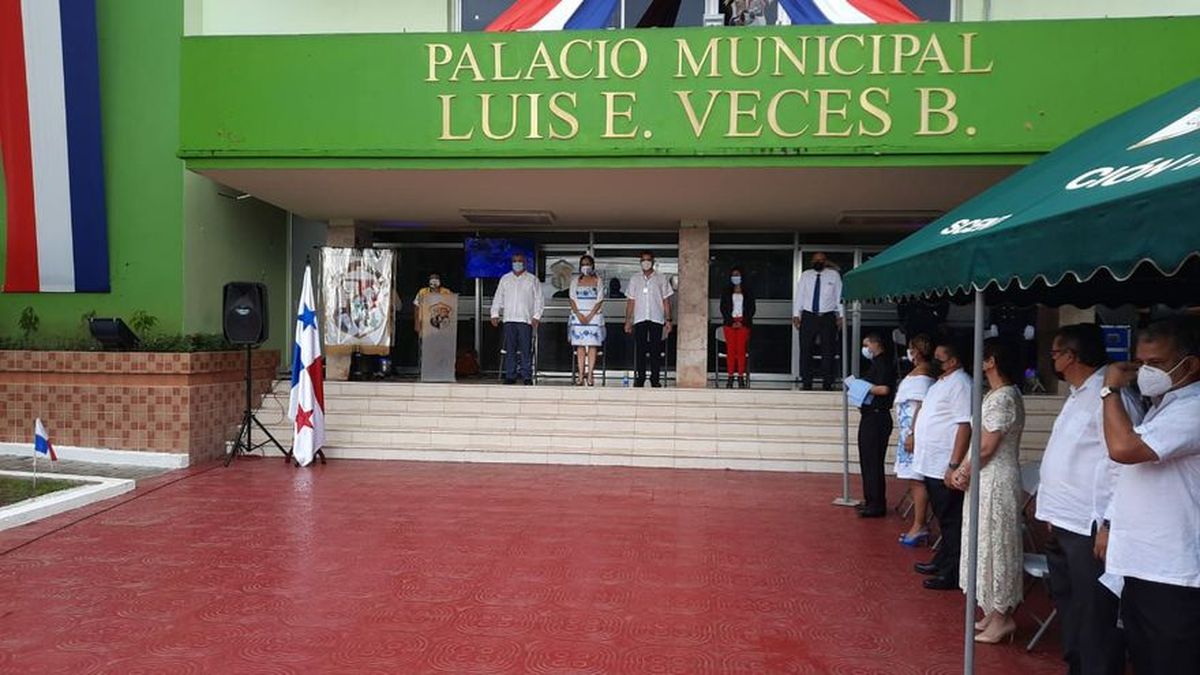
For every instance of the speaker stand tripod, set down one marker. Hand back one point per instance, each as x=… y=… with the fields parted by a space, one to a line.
x=244 y=444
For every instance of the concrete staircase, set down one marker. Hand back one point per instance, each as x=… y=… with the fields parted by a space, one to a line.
x=754 y=429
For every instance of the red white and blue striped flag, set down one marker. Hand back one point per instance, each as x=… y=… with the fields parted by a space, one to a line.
x=555 y=15
x=844 y=11
x=50 y=144
x=306 y=406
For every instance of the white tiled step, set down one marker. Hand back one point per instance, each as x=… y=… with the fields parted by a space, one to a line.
x=744 y=429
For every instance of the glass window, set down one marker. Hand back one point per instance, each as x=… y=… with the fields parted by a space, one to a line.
x=767 y=273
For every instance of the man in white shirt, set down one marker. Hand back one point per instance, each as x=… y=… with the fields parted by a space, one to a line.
x=1153 y=538
x=648 y=319
x=817 y=313
x=1076 y=485
x=519 y=302
x=941 y=438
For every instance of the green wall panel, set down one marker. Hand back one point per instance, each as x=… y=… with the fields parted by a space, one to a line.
x=139 y=75
x=1018 y=88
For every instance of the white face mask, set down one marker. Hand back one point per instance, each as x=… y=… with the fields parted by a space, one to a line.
x=866 y=352
x=435 y=283
x=587 y=270
x=518 y=267
x=910 y=356
x=647 y=265
x=1155 y=381
x=735 y=280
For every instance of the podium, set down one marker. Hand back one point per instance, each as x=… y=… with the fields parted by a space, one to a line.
x=439 y=336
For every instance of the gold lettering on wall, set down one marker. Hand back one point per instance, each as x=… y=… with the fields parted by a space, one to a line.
x=439 y=55
x=711 y=52
x=448 y=134
x=826 y=111
x=945 y=110
x=737 y=112
x=698 y=123
x=773 y=113
x=564 y=115
x=611 y=113
x=877 y=111
x=968 y=51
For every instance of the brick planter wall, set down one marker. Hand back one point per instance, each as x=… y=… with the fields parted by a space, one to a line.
x=154 y=402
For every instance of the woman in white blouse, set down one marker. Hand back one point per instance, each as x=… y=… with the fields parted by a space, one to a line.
x=585 y=326
x=909 y=396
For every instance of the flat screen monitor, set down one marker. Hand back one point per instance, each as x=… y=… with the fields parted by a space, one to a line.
x=492 y=258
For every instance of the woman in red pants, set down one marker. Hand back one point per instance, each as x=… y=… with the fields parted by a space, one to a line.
x=737 y=313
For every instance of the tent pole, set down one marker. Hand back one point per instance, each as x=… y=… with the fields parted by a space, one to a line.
x=845 y=499
x=973 y=529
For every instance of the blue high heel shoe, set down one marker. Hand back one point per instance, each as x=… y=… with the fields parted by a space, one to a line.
x=919 y=539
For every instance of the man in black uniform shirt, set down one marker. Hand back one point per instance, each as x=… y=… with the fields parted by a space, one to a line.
x=875 y=426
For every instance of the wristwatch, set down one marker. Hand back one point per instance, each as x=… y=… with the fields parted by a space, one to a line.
x=1105 y=392
x=955 y=465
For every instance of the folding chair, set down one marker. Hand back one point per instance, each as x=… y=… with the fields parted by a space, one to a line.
x=1035 y=562
x=723 y=353
x=1036 y=566
x=533 y=369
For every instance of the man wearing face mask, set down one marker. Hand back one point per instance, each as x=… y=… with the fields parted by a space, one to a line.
x=875 y=426
x=519 y=302
x=817 y=312
x=1152 y=537
x=648 y=319
x=1076 y=486
x=942 y=436
x=434 y=287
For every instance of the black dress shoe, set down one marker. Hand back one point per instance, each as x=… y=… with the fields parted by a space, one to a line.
x=509 y=381
x=528 y=382
x=925 y=568
x=872 y=513
x=940 y=583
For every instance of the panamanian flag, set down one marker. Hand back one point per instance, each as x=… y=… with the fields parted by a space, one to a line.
x=50 y=145
x=844 y=11
x=41 y=441
x=306 y=407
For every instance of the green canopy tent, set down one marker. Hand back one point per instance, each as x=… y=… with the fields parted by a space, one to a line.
x=1111 y=217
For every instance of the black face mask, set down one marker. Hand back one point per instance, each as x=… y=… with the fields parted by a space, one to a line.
x=1061 y=376
x=818 y=266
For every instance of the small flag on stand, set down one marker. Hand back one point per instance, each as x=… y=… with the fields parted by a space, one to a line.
x=41 y=442
x=306 y=407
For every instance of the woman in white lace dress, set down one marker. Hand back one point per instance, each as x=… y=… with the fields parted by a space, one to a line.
x=998 y=587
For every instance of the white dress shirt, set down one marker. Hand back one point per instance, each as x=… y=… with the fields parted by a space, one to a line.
x=1155 y=534
x=518 y=298
x=947 y=404
x=1077 y=476
x=648 y=294
x=831 y=292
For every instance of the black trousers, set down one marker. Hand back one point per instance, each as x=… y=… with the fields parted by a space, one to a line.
x=647 y=346
x=813 y=326
x=1092 y=643
x=874 y=429
x=948 y=509
x=1162 y=625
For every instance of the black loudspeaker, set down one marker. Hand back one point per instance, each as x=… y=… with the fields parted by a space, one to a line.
x=245 y=312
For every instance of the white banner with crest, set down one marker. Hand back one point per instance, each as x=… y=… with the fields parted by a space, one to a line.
x=356 y=288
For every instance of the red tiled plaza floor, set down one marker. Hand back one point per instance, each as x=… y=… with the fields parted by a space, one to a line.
x=391 y=567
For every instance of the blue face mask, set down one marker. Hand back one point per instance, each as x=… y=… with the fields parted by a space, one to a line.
x=735 y=280
x=518 y=266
